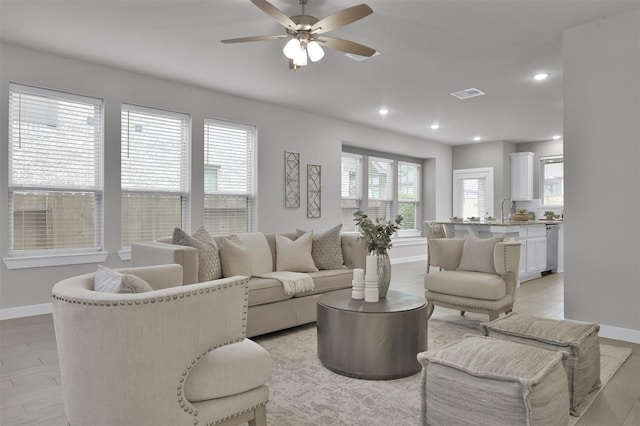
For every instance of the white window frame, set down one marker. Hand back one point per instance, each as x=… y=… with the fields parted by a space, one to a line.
x=30 y=258
x=401 y=234
x=182 y=189
x=411 y=232
x=543 y=162
x=476 y=173
x=251 y=172
x=357 y=196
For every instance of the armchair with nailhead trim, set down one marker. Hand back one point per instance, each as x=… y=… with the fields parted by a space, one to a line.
x=176 y=355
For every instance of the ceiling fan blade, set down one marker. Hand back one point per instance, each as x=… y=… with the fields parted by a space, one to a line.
x=346 y=46
x=275 y=13
x=341 y=18
x=255 y=38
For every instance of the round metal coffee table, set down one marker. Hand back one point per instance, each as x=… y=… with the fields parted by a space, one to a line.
x=376 y=341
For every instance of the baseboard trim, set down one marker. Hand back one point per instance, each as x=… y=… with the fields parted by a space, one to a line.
x=26 y=311
x=617 y=333
x=407 y=259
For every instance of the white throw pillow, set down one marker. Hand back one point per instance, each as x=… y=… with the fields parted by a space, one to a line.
x=259 y=252
x=235 y=258
x=477 y=254
x=109 y=281
x=295 y=256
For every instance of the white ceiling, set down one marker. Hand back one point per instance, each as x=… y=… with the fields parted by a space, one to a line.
x=428 y=50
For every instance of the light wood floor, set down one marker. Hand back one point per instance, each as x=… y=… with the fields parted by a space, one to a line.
x=30 y=392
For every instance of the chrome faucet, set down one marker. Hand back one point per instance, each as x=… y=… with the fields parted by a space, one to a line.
x=502 y=209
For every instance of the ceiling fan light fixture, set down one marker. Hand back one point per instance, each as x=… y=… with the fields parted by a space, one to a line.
x=315 y=51
x=292 y=48
x=301 y=57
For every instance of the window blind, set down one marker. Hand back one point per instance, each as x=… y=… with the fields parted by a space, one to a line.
x=153 y=172
x=473 y=197
x=380 y=180
x=55 y=171
x=552 y=180
x=351 y=189
x=408 y=193
x=229 y=164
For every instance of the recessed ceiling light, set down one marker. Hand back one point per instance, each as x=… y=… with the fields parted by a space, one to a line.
x=383 y=111
x=541 y=76
x=435 y=126
x=555 y=137
x=477 y=138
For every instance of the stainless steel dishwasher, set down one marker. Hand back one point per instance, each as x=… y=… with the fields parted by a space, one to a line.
x=552 y=248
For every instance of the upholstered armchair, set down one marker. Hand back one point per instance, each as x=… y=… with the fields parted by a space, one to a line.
x=176 y=355
x=478 y=275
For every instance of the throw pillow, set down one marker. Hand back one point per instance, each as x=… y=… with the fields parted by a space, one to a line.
x=206 y=254
x=235 y=258
x=109 y=281
x=213 y=261
x=259 y=251
x=326 y=249
x=477 y=254
x=295 y=256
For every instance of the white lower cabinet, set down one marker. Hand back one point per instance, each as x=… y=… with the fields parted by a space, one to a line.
x=533 y=255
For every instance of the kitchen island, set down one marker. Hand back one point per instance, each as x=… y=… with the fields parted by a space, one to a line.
x=532 y=235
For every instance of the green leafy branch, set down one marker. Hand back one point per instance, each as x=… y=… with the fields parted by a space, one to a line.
x=377 y=234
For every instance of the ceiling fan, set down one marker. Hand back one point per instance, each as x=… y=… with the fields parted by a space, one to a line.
x=307 y=33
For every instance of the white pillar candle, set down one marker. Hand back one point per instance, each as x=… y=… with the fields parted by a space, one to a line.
x=372 y=268
x=358 y=274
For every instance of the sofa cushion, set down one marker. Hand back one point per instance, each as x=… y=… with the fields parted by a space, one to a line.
x=266 y=290
x=294 y=256
x=235 y=258
x=228 y=370
x=328 y=280
x=107 y=280
x=327 y=248
x=259 y=252
x=477 y=254
x=474 y=285
x=206 y=253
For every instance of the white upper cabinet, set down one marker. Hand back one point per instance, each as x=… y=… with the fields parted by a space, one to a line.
x=521 y=176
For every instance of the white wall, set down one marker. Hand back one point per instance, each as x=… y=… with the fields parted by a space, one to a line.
x=602 y=173
x=317 y=139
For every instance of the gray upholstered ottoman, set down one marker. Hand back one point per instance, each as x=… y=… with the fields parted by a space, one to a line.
x=579 y=341
x=484 y=381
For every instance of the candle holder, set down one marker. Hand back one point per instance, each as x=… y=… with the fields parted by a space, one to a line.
x=357 y=290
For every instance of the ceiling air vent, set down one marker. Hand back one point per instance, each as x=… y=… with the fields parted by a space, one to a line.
x=467 y=93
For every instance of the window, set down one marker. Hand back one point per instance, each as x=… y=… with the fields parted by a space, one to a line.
x=552 y=180
x=351 y=189
x=408 y=194
x=153 y=172
x=55 y=173
x=384 y=186
x=229 y=164
x=380 y=179
x=473 y=192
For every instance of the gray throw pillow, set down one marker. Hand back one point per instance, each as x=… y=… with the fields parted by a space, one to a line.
x=213 y=261
x=477 y=254
x=326 y=248
x=110 y=281
x=206 y=254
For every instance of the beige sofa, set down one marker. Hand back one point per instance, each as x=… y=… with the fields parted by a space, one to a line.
x=270 y=309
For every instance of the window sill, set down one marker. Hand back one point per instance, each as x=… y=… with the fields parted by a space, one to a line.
x=408 y=241
x=24 y=262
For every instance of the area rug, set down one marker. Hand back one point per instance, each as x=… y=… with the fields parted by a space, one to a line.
x=304 y=393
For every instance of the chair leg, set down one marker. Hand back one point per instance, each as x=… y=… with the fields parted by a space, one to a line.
x=493 y=316
x=428 y=266
x=260 y=416
x=462 y=313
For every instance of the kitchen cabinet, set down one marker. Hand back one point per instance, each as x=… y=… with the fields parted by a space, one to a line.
x=521 y=176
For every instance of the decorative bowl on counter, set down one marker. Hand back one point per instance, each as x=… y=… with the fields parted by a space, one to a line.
x=455 y=219
x=473 y=219
x=520 y=217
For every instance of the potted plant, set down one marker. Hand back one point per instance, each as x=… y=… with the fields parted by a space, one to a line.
x=377 y=235
x=550 y=215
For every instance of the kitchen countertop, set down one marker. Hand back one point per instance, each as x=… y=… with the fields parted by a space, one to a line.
x=500 y=223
